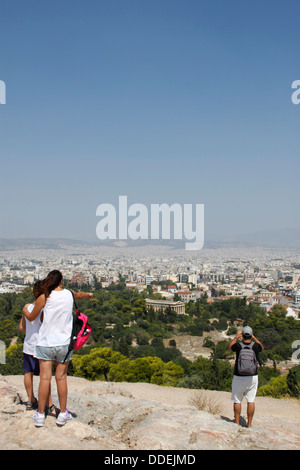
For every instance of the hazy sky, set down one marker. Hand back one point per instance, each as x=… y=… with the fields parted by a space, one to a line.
x=165 y=101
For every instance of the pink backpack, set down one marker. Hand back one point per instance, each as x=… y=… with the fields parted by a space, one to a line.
x=80 y=332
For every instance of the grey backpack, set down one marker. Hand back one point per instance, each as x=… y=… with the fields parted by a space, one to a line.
x=247 y=362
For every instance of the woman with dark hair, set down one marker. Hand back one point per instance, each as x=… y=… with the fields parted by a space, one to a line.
x=53 y=341
x=30 y=362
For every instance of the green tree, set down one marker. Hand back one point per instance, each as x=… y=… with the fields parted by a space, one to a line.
x=95 y=365
x=170 y=375
x=8 y=329
x=293 y=382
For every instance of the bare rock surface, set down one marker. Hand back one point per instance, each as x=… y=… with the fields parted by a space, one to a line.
x=127 y=416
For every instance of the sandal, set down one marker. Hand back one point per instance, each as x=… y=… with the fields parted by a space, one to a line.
x=31 y=406
x=51 y=411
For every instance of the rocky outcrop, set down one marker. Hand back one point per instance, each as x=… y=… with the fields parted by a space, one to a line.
x=107 y=416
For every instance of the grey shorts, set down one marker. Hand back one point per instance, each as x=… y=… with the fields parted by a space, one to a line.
x=53 y=353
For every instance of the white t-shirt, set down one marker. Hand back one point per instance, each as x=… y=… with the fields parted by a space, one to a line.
x=57 y=324
x=32 y=330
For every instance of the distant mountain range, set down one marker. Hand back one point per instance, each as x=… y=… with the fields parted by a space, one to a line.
x=38 y=243
x=281 y=238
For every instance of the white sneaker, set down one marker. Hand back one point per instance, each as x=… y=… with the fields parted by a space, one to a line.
x=38 y=419
x=63 y=418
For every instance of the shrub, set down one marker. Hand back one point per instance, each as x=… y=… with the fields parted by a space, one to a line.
x=202 y=401
x=13 y=360
x=276 y=388
x=293 y=382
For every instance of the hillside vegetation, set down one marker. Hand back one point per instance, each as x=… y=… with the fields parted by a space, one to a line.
x=128 y=341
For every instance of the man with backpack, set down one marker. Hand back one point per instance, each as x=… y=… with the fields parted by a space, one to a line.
x=245 y=379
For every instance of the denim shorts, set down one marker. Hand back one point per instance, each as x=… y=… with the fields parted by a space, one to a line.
x=53 y=353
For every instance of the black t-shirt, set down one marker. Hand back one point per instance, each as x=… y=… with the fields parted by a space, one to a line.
x=237 y=347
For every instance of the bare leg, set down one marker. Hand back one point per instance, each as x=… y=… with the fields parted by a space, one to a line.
x=62 y=386
x=45 y=381
x=250 y=413
x=237 y=411
x=28 y=383
x=49 y=400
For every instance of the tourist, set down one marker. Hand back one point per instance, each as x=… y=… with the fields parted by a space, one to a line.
x=53 y=341
x=31 y=363
x=245 y=379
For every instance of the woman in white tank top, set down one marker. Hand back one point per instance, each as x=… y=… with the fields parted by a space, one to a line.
x=58 y=319
x=53 y=341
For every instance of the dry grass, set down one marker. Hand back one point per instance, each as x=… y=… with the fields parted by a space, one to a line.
x=202 y=401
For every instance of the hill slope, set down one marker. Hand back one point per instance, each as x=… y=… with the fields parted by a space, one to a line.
x=126 y=416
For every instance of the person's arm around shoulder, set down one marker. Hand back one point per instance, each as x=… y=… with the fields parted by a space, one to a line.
x=257 y=342
x=82 y=295
x=22 y=324
x=234 y=341
x=39 y=305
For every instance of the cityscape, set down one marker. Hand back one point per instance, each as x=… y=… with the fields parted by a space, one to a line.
x=265 y=276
